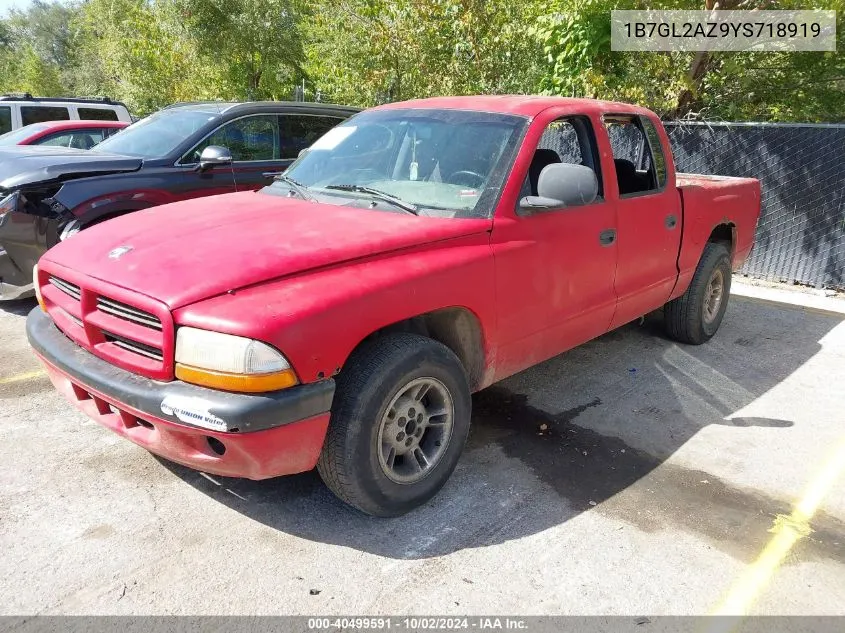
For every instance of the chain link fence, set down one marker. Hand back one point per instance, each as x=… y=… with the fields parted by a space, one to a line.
x=802 y=171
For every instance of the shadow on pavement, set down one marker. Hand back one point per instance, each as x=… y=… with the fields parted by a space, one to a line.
x=18 y=306
x=568 y=435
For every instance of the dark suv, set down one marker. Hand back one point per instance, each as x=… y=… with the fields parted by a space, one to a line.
x=184 y=151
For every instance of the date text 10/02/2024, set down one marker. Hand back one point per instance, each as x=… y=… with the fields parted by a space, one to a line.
x=418 y=623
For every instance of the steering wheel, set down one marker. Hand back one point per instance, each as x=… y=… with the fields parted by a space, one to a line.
x=466 y=178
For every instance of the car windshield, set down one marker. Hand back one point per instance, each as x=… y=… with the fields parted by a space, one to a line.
x=156 y=135
x=447 y=163
x=21 y=134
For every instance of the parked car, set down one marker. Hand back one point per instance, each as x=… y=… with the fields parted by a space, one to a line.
x=342 y=316
x=184 y=151
x=75 y=134
x=20 y=110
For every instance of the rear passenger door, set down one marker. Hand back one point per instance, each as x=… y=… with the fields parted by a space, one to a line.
x=648 y=216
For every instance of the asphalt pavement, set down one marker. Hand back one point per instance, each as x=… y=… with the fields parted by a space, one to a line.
x=631 y=475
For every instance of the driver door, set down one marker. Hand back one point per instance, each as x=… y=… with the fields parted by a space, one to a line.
x=554 y=267
x=251 y=141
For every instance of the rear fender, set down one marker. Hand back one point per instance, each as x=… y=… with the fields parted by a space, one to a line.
x=710 y=202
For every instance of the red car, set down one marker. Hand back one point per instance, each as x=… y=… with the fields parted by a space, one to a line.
x=416 y=253
x=75 y=134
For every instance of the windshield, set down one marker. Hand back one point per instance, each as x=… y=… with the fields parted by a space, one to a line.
x=157 y=135
x=448 y=163
x=21 y=134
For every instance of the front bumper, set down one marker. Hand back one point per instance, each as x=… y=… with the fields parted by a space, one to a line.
x=267 y=435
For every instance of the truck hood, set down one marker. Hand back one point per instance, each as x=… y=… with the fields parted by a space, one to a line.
x=188 y=251
x=25 y=165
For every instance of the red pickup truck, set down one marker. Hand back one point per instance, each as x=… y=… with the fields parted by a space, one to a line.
x=418 y=252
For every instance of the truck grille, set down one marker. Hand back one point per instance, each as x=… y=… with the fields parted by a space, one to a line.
x=123 y=311
x=129 y=330
x=134 y=346
x=69 y=289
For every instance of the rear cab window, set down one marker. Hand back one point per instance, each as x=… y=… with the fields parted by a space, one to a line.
x=637 y=155
x=38 y=114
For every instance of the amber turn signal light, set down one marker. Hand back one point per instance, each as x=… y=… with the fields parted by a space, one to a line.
x=243 y=383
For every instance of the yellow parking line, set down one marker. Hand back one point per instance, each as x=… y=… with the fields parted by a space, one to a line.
x=787 y=531
x=20 y=377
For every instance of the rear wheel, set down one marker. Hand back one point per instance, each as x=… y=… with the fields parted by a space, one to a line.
x=399 y=422
x=695 y=316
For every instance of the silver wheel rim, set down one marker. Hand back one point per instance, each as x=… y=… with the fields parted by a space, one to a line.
x=415 y=430
x=713 y=296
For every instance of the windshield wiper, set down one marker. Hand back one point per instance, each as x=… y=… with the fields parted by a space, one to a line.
x=381 y=195
x=296 y=187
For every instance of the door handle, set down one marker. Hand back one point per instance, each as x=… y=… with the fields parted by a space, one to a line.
x=607 y=237
x=671 y=222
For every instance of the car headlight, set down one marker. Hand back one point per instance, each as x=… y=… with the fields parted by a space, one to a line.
x=232 y=363
x=8 y=203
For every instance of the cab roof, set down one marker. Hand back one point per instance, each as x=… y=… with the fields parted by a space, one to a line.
x=523 y=105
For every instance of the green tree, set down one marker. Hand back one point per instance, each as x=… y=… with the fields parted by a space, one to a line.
x=26 y=71
x=732 y=85
x=256 y=44
x=366 y=51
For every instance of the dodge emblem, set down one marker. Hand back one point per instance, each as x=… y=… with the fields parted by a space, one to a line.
x=120 y=251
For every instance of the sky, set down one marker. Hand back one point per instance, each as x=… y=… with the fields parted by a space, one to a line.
x=5 y=5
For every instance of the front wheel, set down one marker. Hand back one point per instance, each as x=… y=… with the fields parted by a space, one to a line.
x=399 y=422
x=695 y=316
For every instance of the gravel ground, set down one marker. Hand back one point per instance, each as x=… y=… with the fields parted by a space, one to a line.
x=629 y=476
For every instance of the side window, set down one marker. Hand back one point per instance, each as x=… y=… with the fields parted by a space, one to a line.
x=560 y=137
x=300 y=131
x=79 y=140
x=569 y=140
x=62 y=139
x=97 y=114
x=658 y=159
x=250 y=138
x=5 y=119
x=637 y=170
x=39 y=114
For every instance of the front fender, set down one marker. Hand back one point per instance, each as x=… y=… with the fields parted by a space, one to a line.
x=317 y=318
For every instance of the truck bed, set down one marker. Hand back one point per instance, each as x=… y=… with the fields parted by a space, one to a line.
x=712 y=200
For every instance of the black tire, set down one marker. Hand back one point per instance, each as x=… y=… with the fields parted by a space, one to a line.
x=686 y=318
x=378 y=372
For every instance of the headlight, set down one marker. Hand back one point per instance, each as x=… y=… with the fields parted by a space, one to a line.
x=8 y=203
x=232 y=363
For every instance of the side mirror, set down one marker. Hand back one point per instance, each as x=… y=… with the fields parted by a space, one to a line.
x=563 y=185
x=214 y=156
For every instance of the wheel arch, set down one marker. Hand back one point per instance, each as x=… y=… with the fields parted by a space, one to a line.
x=724 y=233
x=83 y=222
x=456 y=327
